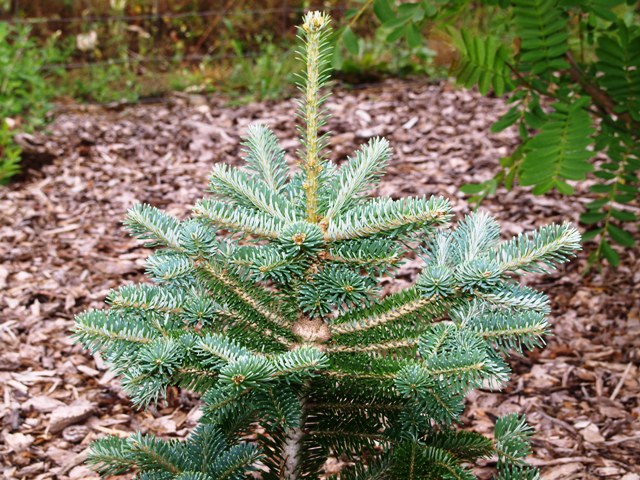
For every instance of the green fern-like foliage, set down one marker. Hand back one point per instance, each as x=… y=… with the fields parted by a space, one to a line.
x=570 y=70
x=560 y=146
x=559 y=152
x=268 y=302
x=542 y=30
x=483 y=62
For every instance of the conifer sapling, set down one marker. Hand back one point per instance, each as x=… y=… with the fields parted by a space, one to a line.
x=268 y=302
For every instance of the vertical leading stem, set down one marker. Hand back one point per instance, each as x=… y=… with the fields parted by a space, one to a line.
x=312 y=162
x=314 y=32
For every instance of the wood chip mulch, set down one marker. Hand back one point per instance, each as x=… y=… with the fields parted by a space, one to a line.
x=62 y=248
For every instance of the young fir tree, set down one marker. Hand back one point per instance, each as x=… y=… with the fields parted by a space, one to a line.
x=268 y=302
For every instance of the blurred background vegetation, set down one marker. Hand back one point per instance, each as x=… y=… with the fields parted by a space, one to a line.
x=114 y=50
x=126 y=51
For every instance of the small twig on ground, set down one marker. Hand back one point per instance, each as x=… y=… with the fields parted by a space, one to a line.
x=617 y=441
x=621 y=381
x=558 y=461
x=558 y=422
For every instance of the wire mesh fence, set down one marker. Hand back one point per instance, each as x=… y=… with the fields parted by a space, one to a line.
x=96 y=33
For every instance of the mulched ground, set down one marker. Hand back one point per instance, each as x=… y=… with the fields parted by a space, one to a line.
x=62 y=248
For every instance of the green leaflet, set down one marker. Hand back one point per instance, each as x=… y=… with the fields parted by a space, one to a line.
x=543 y=35
x=483 y=62
x=619 y=61
x=559 y=152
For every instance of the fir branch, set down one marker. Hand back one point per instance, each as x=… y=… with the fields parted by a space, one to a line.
x=161 y=357
x=358 y=375
x=301 y=238
x=255 y=331
x=198 y=380
x=512 y=439
x=517 y=472
x=462 y=444
x=96 y=328
x=237 y=219
x=377 y=437
x=234 y=463
x=201 y=309
x=447 y=464
x=218 y=399
x=358 y=174
x=218 y=350
x=338 y=288
x=539 y=250
x=463 y=369
x=152 y=453
x=280 y=407
x=265 y=262
x=412 y=325
x=511 y=331
x=438 y=249
x=440 y=404
x=389 y=217
x=199 y=240
x=148 y=223
x=460 y=370
x=299 y=360
x=147 y=298
x=436 y=338
x=375 y=469
x=361 y=407
x=513 y=296
x=111 y=456
x=167 y=268
x=476 y=234
x=393 y=308
x=365 y=253
x=375 y=347
x=265 y=157
x=479 y=274
x=248 y=296
x=231 y=184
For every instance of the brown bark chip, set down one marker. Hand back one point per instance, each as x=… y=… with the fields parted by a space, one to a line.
x=64 y=416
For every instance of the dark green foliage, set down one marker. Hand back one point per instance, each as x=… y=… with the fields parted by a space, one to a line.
x=24 y=90
x=484 y=64
x=559 y=152
x=542 y=29
x=9 y=153
x=206 y=455
x=269 y=303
